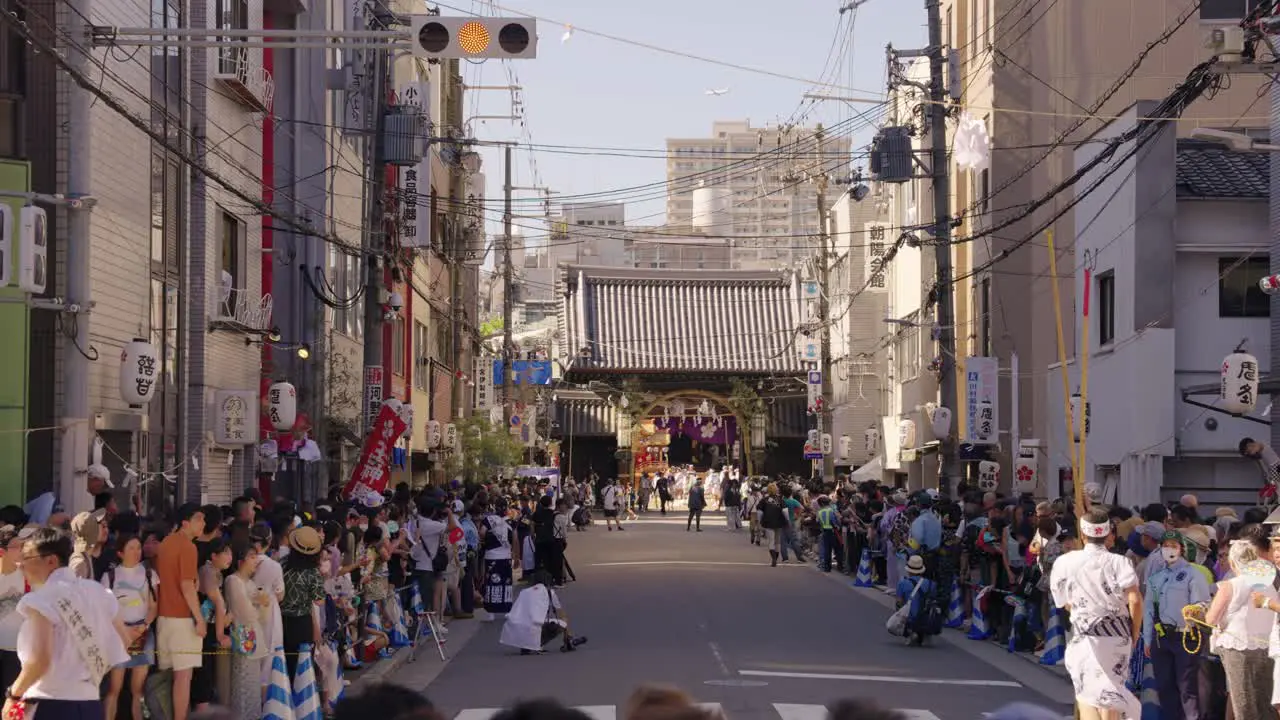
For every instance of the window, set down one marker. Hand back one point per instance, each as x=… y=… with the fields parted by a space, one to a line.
x=1226 y=9
x=421 y=369
x=231 y=254
x=984 y=327
x=1106 y=307
x=1238 y=291
x=343 y=279
x=398 y=349
x=442 y=349
x=231 y=15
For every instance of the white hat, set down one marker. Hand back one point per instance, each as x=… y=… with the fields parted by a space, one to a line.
x=915 y=565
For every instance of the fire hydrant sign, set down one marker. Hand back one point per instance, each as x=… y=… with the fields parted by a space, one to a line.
x=371 y=474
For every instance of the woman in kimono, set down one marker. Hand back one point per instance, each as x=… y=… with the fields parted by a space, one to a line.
x=537 y=618
x=497 y=538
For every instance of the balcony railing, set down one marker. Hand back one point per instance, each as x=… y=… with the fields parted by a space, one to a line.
x=240 y=70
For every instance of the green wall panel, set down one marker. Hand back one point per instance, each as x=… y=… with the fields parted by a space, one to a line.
x=15 y=338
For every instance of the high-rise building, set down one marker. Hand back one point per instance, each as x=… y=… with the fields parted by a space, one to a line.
x=750 y=185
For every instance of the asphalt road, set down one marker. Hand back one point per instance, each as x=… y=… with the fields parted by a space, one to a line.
x=705 y=612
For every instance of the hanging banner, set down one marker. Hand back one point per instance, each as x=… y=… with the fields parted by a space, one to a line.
x=482 y=372
x=815 y=391
x=370 y=476
x=982 y=400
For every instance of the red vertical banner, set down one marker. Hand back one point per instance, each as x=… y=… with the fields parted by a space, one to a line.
x=371 y=475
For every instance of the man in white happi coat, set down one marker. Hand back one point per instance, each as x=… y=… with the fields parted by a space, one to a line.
x=1100 y=590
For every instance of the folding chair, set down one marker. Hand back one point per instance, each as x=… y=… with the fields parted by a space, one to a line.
x=428 y=625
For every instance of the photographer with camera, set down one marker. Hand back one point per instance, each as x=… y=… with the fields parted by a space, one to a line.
x=431 y=551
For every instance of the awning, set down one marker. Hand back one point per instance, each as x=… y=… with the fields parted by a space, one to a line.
x=871 y=471
x=730 y=322
x=1266 y=387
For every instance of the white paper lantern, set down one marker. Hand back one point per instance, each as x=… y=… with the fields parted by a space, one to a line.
x=940 y=422
x=433 y=434
x=984 y=426
x=846 y=447
x=1026 y=471
x=282 y=405
x=1239 y=383
x=139 y=372
x=826 y=444
x=406 y=415
x=451 y=436
x=872 y=438
x=988 y=476
x=907 y=434
x=395 y=405
x=1081 y=418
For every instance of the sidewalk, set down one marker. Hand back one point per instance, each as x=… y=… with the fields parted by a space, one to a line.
x=426 y=664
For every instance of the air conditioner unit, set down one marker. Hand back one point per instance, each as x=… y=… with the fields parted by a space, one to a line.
x=1223 y=39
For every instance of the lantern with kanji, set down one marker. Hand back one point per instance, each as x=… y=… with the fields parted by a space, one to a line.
x=282 y=406
x=1239 y=394
x=988 y=476
x=1081 y=417
x=846 y=447
x=907 y=434
x=451 y=437
x=139 y=372
x=1026 y=471
x=872 y=438
x=433 y=434
x=940 y=422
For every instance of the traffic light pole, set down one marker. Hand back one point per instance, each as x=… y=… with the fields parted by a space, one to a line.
x=508 y=289
x=942 y=239
x=374 y=247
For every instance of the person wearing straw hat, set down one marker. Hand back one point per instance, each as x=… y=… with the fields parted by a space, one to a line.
x=917 y=590
x=303 y=588
x=1100 y=590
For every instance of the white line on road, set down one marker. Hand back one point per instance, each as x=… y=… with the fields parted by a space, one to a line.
x=715 y=650
x=685 y=562
x=789 y=711
x=879 y=678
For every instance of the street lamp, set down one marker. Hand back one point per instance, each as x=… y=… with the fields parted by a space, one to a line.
x=1239 y=142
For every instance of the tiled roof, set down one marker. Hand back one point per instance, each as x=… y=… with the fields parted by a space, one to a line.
x=1207 y=170
x=644 y=321
x=593 y=417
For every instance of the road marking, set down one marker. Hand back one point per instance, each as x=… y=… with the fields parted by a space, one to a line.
x=715 y=650
x=879 y=678
x=595 y=712
x=789 y=711
x=685 y=562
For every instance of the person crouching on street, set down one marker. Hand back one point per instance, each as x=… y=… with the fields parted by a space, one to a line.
x=537 y=618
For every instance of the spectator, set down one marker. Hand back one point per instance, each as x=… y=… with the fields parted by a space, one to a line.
x=180 y=628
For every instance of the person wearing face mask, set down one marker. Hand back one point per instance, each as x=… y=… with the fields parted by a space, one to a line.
x=1171 y=588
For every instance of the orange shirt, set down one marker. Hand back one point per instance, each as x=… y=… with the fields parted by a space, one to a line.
x=175 y=562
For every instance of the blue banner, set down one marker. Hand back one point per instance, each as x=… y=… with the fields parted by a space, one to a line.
x=524 y=372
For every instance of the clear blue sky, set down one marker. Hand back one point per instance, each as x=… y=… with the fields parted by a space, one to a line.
x=593 y=91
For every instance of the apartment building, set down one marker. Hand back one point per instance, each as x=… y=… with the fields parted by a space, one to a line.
x=1031 y=77
x=752 y=179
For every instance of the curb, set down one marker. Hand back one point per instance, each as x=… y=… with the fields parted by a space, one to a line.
x=459 y=638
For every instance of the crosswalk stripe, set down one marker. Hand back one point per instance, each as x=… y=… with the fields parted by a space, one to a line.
x=786 y=711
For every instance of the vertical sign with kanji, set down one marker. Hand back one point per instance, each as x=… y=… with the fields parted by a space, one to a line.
x=372 y=394
x=877 y=249
x=982 y=400
x=415 y=180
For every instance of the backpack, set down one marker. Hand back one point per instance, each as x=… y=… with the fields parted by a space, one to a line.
x=771 y=515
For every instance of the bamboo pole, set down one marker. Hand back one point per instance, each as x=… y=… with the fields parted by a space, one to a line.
x=1066 y=382
x=1084 y=383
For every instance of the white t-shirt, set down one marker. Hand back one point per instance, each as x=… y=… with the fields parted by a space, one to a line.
x=426 y=542
x=131 y=591
x=67 y=677
x=12 y=586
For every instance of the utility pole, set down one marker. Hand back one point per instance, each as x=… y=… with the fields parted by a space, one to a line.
x=508 y=289
x=825 y=422
x=75 y=361
x=375 y=247
x=942 y=238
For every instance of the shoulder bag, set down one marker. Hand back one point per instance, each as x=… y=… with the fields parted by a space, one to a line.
x=896 y=625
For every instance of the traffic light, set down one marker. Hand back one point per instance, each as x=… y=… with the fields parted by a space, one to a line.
x=433 y=36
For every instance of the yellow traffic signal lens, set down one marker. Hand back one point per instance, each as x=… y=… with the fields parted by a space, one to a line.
x=473 y=38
